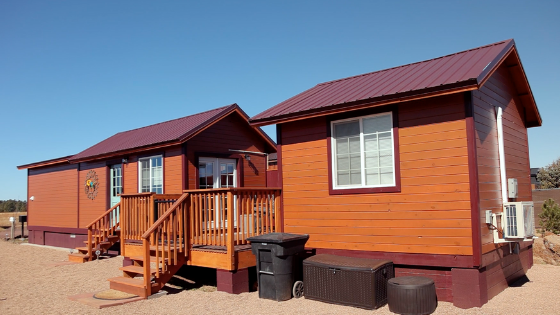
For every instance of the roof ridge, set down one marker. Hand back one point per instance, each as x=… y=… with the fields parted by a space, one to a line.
x=167 y=121
x=413 y=63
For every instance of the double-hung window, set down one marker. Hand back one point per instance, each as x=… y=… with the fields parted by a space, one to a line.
x=151 y=174
x=363 y=154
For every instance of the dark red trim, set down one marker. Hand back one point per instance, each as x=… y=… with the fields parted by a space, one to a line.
x=57 y=229
x=473 y=180
x=148 y=155
x=499 y=253
x=428 y=260
x=108 y=185
x=184 y=167
x=280 y=175
x=397 y=159
x=77 y=198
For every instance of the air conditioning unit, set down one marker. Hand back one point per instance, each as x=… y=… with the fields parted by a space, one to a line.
x=516 y=222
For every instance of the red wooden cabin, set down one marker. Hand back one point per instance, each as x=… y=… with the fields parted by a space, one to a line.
x=166 y=192
x=403 y=163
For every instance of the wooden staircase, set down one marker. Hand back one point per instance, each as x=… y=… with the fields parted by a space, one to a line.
x=103 y=233
x=165 y=246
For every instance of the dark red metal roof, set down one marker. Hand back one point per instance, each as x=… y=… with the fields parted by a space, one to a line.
x=466 y=68
x=172 y=131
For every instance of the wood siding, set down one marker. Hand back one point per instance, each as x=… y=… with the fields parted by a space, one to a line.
x=232 y=132
x=430 y=215
x=173 y=171
x=130 y=176
x=91 y=209
x=499 y=91
x=55 y=196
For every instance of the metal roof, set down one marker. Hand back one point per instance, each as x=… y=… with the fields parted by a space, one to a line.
x=169 y=132
x=466 y=68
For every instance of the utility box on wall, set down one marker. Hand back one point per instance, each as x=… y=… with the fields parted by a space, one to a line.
x=512 y=188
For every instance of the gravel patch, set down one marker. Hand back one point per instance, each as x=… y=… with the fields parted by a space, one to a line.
x=33 y=283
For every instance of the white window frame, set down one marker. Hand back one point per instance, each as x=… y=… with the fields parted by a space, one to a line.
x=362 y=155
x=149 y=158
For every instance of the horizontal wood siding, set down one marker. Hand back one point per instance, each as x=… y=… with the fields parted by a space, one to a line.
x=173 y=171
x=231 y=132
x=55 y=196
x=91 y=209
x=431 y=214
x=130 y=176
x=499 y=91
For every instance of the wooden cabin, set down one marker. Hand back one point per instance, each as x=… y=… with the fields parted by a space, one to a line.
x=162 y=192
x=403 y=163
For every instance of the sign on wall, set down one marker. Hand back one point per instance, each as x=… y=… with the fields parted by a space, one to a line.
x=91 y=185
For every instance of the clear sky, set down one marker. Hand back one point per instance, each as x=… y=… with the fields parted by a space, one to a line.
x=73 y=73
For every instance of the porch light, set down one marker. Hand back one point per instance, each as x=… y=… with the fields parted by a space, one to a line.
x=247 y=157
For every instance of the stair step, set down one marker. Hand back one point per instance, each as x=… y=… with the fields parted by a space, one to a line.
x=135 y=269
x=77 y=257
x=128 y=285
x=82 y=248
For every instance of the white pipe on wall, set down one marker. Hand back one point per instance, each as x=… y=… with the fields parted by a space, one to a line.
x=499 y=123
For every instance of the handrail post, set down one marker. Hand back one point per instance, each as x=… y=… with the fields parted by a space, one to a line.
x=230 y=232
x=147 y=273
x=90 y=243
x=278 y=212
x=152 y=217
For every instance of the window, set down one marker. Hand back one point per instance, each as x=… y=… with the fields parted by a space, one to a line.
x=151 y=174
x=363 y=154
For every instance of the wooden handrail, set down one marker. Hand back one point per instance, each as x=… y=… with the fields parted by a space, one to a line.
x=138 y=194
x=165 y=216
x=103 y=215
x=232 y=189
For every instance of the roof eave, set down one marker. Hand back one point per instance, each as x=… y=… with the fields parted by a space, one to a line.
x=527 y=99
x=60 y=160
x=467 y=85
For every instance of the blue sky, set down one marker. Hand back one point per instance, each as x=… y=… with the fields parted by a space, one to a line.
x=73 y=73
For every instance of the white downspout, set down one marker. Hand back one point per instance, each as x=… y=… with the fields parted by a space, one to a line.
x=499 y=123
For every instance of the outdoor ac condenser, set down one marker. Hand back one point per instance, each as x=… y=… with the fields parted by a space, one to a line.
x=517 y=222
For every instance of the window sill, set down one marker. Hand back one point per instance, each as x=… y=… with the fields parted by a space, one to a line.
x=365 y=190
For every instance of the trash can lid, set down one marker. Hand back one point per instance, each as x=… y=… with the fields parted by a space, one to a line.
x=277 y=238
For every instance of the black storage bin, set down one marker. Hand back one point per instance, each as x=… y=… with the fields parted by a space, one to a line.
x=276 y=261
x=349 y=281
x=412 y=295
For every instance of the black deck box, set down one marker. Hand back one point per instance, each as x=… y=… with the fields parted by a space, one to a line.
x=349 y=281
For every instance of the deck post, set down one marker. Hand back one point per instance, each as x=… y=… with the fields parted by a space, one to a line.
x=230 y=231
x=147 y=273
x=151 y=214
x=277 y=213
x=89 y=244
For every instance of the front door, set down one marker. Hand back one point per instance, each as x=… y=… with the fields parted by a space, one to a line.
x=116 y=186
x=217 y=173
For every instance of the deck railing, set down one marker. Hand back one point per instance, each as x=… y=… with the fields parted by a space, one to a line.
x=168 y=237
x=140 y=211
x=223 y=217
x=255 y=211
x=101 y=228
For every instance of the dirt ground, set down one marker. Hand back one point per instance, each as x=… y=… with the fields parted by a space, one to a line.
x=32 y=284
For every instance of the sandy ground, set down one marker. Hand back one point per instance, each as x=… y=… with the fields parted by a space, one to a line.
x=31 y=284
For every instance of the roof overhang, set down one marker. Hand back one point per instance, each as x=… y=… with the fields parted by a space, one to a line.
x=235 y=109
x=62 y=160
x=508 y=57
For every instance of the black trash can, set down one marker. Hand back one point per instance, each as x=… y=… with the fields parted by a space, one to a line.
x=276 y=261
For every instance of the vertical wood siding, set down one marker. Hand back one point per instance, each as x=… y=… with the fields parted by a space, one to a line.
x=232 y=132
x=91 y=209
x=56 y=196
x=499 y=91
x=430 y=215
